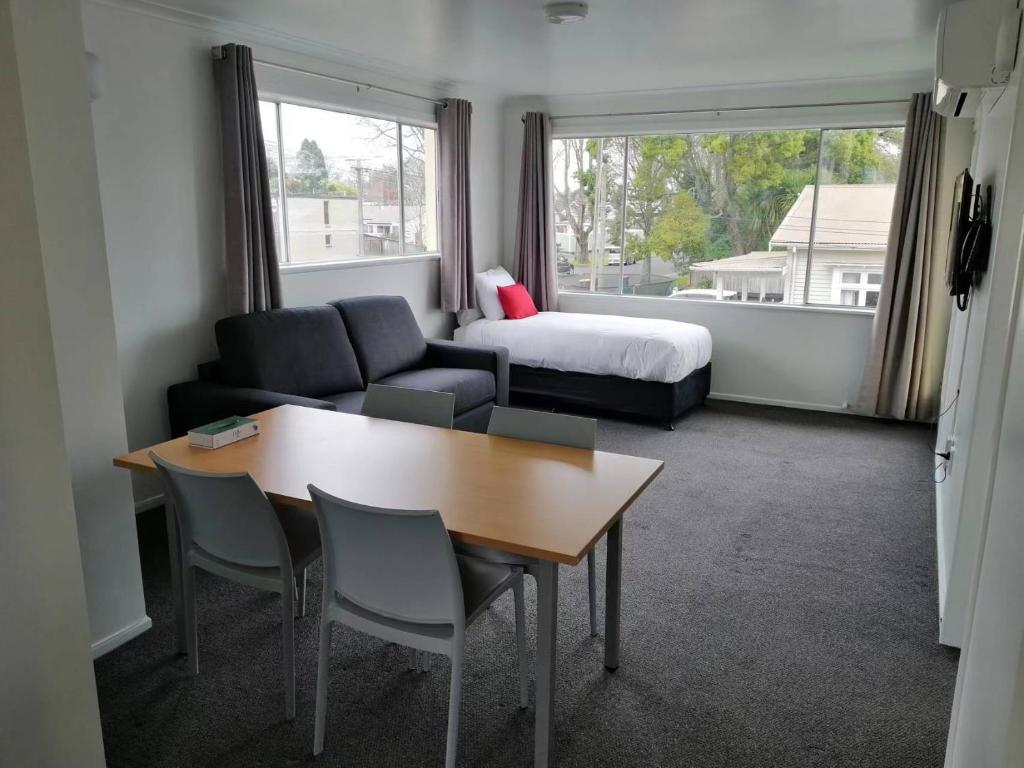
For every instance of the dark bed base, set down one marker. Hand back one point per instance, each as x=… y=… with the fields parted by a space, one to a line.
x=654 y=400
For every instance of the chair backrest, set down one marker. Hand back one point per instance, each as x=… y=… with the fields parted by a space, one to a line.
x=226 y=515
x=396 y=563
x=543 y=427
x=416 y=406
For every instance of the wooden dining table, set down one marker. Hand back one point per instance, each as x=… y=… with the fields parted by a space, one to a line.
x=548 y=503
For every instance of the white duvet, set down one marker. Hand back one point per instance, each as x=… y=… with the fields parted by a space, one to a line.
x=607 y=345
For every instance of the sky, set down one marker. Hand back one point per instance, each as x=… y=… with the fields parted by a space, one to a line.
x=342 y=137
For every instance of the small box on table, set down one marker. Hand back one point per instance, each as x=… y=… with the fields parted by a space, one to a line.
x=224 y=432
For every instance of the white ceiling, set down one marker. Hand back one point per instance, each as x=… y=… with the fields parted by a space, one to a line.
x=623 y=45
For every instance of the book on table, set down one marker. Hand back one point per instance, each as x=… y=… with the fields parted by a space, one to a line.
x=223 y=432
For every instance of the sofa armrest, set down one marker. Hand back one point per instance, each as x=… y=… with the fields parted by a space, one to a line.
x=450 y=354
x=193 y=403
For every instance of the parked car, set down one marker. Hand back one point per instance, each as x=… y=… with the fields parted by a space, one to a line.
x=614 y=254
x=709 y=294
x=563 y=265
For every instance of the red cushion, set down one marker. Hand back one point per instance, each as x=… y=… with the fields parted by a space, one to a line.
x=516 y=301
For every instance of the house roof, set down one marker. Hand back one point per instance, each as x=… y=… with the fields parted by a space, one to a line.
x=770 y=262
x=849 y=216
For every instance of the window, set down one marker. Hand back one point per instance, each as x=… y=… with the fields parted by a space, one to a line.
x=764 y=216
x=348 y=187
x=588 y=234
x=856 y=289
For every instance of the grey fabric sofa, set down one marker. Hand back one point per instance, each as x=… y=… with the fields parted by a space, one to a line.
x=324 y=357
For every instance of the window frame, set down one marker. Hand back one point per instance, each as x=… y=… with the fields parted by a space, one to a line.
x=821 y=126
x=862 y=287
x=285 y=264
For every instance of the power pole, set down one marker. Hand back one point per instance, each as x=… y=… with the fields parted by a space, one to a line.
x=359 y=206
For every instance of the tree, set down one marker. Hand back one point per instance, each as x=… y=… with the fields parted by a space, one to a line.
x=574 y=203
x=866 y=156
x=680 y=232
x=273 y=172
x=311 y=173
x=414 y=166
x=708 y=196
x=657 y=192
x=340 y=189
x=749 y=180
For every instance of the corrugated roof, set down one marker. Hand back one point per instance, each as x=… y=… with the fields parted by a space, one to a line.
x=756 y=261
x=849 y=216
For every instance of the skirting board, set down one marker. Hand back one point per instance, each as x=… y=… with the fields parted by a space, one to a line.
x=940 y=551
x=122 y=636
x=780 y=403
x=950 y=631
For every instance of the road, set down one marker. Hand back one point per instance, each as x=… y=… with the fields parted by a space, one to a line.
x=609 y=276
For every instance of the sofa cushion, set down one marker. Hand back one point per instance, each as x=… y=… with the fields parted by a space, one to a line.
x=302 y=351
x=347 y=402
x=470 y=386
x=384 y=334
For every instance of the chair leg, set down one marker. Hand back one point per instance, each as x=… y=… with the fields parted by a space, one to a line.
x=188 y=597
x=592 y=589
x=424 y=661
x=454 y=705
x=323 y=661
x=288 y=641
x=302 y=593
x=414 y=660
x=524 y=684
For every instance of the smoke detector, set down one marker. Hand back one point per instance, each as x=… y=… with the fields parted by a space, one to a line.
x=565 y=13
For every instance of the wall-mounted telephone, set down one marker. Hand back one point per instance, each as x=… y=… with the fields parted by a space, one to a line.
x=970 y=238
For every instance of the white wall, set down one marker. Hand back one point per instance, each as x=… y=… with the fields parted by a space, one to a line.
x=987 y=727
x=793 y=356
x=61 y=145
x=157 y=144
x=809 y=358
x=49 y=716
x=987 y=724
x=980 y=514
x=418 y=281
x=973 y=386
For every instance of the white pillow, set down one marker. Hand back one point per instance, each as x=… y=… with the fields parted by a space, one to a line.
x=467 y=316
x=487 y=291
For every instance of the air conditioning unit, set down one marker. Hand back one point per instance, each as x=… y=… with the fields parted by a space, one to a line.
x=975 y=49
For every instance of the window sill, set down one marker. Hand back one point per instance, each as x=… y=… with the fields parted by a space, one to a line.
x=380 y=261
x=741 y=305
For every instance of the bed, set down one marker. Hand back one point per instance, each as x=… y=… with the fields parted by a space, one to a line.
x=656 y=369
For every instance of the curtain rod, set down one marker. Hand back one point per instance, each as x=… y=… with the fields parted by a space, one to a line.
x=719 y=110
x=219 y=54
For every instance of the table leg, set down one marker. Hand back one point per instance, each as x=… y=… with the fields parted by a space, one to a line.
x=547 y=632
x=174 y=558
x=613 y=597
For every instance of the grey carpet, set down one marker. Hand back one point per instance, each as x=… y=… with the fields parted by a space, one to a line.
x=780 y=610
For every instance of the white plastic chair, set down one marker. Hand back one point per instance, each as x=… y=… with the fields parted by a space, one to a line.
x=416 y=406
x=393 y=574
x=228 y=527
x=542 y=427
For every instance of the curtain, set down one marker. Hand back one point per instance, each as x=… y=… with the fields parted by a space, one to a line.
x=903 y=371
x=254 y=280
x=535 y=230
x=453 y=122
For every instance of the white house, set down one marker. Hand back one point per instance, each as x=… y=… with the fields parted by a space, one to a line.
x=322 y=228
x=850 y=232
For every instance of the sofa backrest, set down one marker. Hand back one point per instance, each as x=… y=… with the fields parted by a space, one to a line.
x=302 y=351
x=384 y=334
